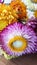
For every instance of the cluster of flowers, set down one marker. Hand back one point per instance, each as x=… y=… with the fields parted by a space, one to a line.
x=18 y=32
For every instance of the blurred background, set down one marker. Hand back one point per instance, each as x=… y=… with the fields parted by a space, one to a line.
x=30 y=59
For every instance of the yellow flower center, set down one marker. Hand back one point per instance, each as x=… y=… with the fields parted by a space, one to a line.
x=35 y=1
x=17 y=44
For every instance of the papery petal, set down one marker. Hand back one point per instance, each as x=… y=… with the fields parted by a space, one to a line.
x=19 y=29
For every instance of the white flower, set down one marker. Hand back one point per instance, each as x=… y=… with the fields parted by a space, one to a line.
x=30 y=4
x=7 y=1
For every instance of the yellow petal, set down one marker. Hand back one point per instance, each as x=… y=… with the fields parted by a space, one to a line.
x=3 y=24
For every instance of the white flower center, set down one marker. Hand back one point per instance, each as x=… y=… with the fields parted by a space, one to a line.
x=17 y=44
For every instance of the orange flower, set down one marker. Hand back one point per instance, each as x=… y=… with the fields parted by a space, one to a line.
x=20 y=9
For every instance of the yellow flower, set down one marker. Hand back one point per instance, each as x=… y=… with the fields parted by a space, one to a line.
x=7 y=13
x=7 y=16
x=35 y=13
x=3 y=24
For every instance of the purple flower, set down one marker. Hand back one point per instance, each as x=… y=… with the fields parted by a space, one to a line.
x=33 y=24
x=20 y=33
x=1 y=1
